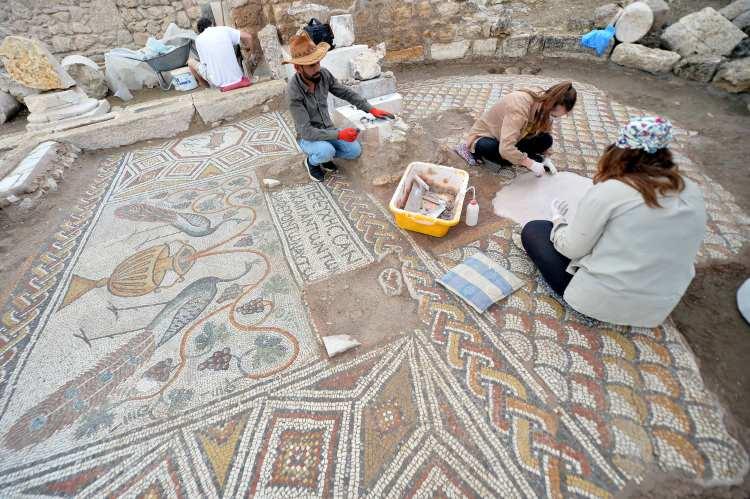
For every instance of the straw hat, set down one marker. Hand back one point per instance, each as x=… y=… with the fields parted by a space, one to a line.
x=304 y=51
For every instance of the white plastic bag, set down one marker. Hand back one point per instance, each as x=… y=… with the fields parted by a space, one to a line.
x=124 y=75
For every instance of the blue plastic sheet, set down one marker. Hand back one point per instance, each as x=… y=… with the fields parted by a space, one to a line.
x=599 y=39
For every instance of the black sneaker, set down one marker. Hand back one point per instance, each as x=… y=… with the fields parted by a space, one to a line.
x=315 y=171
x=329 y=166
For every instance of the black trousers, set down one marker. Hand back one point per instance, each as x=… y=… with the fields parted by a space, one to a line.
x=551 y=264
x=534 y=146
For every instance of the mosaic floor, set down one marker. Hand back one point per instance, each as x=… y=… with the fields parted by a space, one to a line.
x=161 y=344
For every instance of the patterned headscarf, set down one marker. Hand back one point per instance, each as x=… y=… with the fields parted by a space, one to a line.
x=649 y=134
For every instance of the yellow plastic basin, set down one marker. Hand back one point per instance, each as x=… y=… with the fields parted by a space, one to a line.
x=439 y=177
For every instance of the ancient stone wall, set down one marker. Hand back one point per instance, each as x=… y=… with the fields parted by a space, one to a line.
x=410 y=29
x=91 y=27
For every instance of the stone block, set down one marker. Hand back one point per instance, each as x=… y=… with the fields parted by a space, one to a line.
x=741 y=50
x=734 y=9
x=10 y=141
x=302 y=12
x=9 y=107
x=343 y=30
x=273 y=55
x=262 y=73
x=742 y=21
x=42 y=103
x=217 y=13
x=213 y=105
x=207 y=11
x=536 y=44
x=158 y=119
x=515 y=46
x=31 y=64
x=654 y=61
x=86 y=107
x=372 y=132
x=580 y=24
x=391 y=103
x=606 y=15
x=378 y=87
x=734 y=76
x=635 y=21
x=449 y=51
x=503 y=26
x=700 y=68
x=662 y=13
x=705 y=32
x=484 y=48
x=21 y=180
x=569 y=47
x=369 y=89
x=87 y=75
x=366 y=66
x=338 y=61
x=411 y=54
x=96 y=115
x=17 y=90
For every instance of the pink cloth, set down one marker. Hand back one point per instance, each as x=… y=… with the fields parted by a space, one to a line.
x=244 y=82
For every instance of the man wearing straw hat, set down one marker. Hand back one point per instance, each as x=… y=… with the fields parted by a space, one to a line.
x=308 y=92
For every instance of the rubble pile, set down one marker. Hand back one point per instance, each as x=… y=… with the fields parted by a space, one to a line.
x=707 y=46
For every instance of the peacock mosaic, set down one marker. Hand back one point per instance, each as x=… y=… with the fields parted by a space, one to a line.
x=162 y=344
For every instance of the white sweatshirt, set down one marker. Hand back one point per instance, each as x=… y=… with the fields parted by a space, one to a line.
x=631 y=263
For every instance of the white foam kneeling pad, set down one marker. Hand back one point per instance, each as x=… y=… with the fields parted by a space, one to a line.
x=339 y=343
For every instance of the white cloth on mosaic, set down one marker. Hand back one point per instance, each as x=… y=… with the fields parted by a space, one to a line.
x=631 y=263
x=528 y=198
x=215 y=48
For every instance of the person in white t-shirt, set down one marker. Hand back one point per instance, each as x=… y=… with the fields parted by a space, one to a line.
x=218 y=66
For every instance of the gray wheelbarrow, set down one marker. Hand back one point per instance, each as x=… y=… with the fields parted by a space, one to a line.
x=172 y=60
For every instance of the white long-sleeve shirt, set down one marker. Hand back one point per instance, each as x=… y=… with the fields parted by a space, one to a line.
x=631 y=263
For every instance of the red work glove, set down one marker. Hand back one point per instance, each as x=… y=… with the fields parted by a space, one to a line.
x=379 y=113
x=348 y=134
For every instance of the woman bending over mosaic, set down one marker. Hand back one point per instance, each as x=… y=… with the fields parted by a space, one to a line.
x=516 y=130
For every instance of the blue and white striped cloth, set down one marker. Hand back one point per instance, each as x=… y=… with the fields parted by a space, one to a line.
x=480 y=282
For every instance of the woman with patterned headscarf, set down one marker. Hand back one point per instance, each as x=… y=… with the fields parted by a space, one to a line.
x=627 y=257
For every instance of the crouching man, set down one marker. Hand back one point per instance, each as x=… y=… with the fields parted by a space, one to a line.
x=218 y=66
x=308 y=92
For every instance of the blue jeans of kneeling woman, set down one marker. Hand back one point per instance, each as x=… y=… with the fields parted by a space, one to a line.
x=322 y=151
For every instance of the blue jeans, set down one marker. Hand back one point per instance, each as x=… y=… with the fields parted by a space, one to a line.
x=322 y=151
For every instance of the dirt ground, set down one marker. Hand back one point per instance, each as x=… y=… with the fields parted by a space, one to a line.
x=707 y=315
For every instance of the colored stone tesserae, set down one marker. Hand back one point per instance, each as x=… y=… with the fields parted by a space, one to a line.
x=163 y=340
